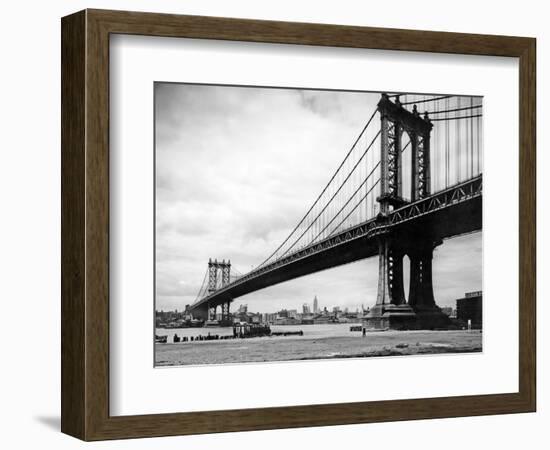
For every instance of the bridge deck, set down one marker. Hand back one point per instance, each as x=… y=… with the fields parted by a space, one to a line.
x=451 y=212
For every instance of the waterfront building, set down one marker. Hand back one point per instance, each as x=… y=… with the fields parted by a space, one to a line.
x=286 y=321
x=256 y=318
x=305 y=309
x=322 y=320
x=315 y=305
x=282 y=313
x=470 y=308
x=271 y=317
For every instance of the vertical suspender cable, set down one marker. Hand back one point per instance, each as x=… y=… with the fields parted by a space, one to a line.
x=435 y=159
x=446 y=145
x=478 y=135
x=471 y=141
x=457 y=145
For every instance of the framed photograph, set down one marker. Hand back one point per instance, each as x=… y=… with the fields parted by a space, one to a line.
x=273 y=225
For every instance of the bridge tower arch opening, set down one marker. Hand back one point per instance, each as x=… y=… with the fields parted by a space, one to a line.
x=406 y=276
x=406 y=165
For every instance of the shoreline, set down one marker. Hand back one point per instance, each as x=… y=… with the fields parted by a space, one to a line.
x=280 y=349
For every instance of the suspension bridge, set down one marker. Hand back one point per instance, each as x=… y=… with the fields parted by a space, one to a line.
x=411 y=179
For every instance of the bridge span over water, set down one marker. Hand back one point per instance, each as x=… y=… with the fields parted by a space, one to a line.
x=423 y=185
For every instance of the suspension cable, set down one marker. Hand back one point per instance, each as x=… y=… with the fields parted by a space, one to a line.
x=427 y=100
x=202 y=286
x=335 y=193
x=324 y=190
x=447 y=145
x=346 y=204
x=454 y=110
x=319 y=222
x=355 y=207
x=456 y=118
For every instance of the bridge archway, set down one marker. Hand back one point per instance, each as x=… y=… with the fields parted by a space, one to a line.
x=406 y=276
x=406 y=165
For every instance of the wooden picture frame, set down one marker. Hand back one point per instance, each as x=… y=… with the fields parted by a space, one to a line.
x=85 y=224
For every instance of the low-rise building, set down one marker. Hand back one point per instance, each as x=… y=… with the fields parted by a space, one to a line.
x=470 y=309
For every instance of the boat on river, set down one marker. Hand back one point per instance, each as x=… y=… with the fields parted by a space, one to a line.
x=161 y=339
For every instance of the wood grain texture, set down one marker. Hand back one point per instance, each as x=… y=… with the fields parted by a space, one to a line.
x=527 y=224
x=73 y=226
x=85 y=224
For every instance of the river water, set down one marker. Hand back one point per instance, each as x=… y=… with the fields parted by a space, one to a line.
x=318 y=342
x=310 y=331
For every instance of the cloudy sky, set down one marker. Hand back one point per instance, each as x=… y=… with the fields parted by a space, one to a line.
x=236 y=169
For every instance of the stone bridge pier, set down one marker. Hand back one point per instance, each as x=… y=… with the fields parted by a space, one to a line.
x=201 y=312
x=392 y=309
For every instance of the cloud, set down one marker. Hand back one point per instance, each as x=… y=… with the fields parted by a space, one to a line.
x=236 y=168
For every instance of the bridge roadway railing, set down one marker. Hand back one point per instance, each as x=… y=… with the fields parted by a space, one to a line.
x=448 y=197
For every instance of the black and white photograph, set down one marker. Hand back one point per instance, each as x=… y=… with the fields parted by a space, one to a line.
x=275 y=225
x=302 y=224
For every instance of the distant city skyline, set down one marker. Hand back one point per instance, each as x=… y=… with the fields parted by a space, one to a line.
x=454 y=251
x=234 y=174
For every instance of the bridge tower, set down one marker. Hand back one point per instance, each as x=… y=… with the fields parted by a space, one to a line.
x=218 y=270
x=391 y=309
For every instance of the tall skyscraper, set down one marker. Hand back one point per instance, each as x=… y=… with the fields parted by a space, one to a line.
x=315 y=305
